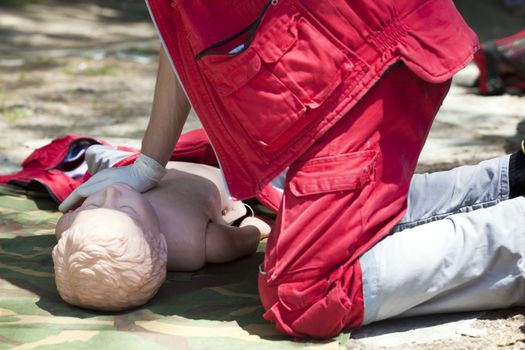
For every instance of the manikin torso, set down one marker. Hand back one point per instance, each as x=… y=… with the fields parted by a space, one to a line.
x=186 y=200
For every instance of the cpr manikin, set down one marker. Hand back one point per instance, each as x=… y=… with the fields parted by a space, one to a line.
x=113 y=251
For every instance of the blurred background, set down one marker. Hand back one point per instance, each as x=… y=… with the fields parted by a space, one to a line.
x=89 y=66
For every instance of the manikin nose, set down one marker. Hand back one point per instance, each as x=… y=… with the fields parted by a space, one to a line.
x=111 y=196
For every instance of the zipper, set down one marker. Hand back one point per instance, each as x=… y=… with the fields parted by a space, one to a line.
x=252 y=29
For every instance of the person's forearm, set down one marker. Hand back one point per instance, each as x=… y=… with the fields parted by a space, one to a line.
x=168 y=114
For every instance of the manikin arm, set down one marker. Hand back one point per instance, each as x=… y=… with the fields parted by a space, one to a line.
x=168 y=114
x=226 y=243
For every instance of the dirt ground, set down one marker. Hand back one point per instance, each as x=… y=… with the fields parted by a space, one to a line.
x=88 y=67
x=83 y=69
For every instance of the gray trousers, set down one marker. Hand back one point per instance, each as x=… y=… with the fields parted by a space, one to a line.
x=460 y=247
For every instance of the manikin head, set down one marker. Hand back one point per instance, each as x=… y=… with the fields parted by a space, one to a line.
x=110 y=254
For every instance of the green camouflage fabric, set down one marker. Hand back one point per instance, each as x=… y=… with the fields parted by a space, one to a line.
x=213 y=308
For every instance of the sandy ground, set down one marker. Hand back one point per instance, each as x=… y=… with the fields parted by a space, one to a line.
x=90 y=69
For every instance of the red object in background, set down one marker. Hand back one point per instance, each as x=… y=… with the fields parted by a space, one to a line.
x=501 y=65
x=59 y=167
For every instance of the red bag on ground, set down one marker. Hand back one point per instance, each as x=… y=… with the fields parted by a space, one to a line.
x=59 y=167
x=501 y=65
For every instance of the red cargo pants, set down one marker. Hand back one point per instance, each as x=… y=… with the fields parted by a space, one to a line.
x=341 y=197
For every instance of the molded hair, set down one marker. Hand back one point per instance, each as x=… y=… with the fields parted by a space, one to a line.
x=113 y=271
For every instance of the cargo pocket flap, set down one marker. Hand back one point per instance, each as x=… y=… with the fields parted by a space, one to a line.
x=232 y=73
x=278 y=39
x=297 y=295
x=334 y=173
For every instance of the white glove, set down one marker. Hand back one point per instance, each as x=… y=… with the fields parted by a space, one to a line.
x=144 y=174
x=100 y=157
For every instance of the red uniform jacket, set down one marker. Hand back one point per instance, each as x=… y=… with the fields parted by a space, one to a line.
x=267 y=78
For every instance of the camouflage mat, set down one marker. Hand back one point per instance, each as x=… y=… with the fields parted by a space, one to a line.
x=214 y=308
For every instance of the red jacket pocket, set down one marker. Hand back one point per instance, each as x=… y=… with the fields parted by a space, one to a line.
x=347 y=171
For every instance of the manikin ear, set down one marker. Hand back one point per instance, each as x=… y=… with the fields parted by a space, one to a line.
x=160 y=239
x=163 y=244
x=63 y=224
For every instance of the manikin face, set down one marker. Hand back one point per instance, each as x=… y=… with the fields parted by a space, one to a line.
x=118 y=198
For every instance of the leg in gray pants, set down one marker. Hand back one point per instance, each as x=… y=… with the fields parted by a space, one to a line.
x=460 y=247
